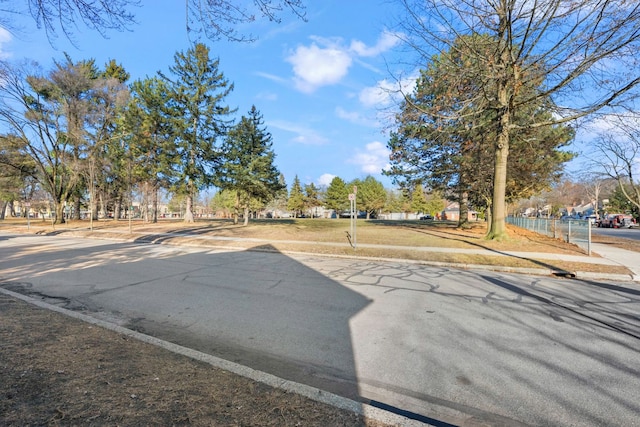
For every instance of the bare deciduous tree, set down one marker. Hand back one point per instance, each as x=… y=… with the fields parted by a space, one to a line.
x=580 y=54
x=42 y=113
x=618 y=154
x=54 y=16
x=218 y=19
x=596 y=185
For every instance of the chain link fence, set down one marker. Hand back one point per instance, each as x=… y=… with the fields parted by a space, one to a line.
x=576 y=231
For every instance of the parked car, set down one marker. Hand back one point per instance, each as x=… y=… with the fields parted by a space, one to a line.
x=617 y=221
x=426 y=218
x=629 y=222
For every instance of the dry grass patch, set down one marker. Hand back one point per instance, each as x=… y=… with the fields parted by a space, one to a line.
x=329 y=237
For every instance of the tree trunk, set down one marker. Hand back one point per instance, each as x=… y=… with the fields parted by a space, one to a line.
x=188 y=215
x=155 y=203
x=487 y=212
x=246 y=216
x=101 y=203
x=94 y=209
x=3 y=208
x=144 y=205
x=76 y=208
x=463 y=203
x=117 y=209
x=59 y=208
x=498 y=227
x=236 y=208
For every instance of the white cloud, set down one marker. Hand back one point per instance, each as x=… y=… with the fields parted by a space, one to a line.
x=327 y=61
x=386 y=41
x=315 y=66
x=325 y=179
x=601 y=125
x=386 y=93
x=374 y=96
x=5 y=37
x=267 y=96
x=303 y=135
x=355 y=117
x=310 y=138
x=373 y=159
x=271 y=77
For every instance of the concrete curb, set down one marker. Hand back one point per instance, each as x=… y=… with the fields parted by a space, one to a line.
x=601 y=276
x=244 y=371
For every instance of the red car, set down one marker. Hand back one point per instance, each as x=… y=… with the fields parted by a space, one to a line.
x=617 y=221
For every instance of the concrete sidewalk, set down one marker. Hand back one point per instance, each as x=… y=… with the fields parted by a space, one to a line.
x=628 y=259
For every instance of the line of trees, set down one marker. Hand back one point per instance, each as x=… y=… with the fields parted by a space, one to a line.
x=486 y=123
x=67 y=135
x=89 y=140
x=372 y=199
x=86 y=138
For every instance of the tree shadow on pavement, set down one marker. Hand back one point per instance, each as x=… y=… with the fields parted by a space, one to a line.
x=261 y=309
x=628 y=325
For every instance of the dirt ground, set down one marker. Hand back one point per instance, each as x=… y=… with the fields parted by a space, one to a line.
x=59 y=371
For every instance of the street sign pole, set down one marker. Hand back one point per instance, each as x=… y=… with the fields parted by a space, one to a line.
x=352 y=231
x=355 y=216
x=27 y=205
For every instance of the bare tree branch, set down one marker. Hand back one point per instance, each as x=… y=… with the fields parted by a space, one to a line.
x=216 y=19
x=618 y=155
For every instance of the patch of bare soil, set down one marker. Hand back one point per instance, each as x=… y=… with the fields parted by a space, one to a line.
x=59 y=371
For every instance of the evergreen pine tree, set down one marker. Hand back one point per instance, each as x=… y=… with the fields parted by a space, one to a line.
x=197 y=92
x=337 y=195
x=247 y=163
x=296 y=202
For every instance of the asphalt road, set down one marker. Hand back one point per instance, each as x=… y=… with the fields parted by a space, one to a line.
x=454 y=347
x=625 y=233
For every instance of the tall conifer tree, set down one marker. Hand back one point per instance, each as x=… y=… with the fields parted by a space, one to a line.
x=296 y=201
x=197 y=91
x=247 y=163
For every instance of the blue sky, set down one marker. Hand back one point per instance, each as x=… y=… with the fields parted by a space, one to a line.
x=317 y=83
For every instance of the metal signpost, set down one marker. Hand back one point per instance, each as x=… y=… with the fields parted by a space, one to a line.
x=354 y=216
x=27 y=205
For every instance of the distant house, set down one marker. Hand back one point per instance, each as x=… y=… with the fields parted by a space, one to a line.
x=580 y=211
x=452 y=213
